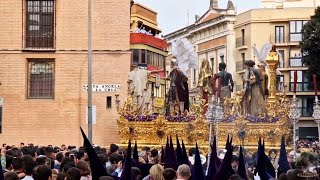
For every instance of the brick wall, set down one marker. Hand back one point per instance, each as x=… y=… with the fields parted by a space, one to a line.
x=56 y=121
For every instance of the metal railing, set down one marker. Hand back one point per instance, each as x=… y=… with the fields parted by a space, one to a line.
x=284 y=38
x=296 y=62
x=241 y=41
x=239 y=66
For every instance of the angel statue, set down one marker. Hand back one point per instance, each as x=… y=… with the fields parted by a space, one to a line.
x=262 y=55
x=184 y=58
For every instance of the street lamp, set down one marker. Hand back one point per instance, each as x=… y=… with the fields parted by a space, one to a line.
x=316 y=115
x=294 y=115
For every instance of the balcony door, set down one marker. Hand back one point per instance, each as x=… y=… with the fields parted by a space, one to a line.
x=279 y=38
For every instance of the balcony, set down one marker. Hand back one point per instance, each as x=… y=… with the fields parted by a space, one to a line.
x=296 y=62
x=241 y=41
x=285 y=38
x=140 y=38
x=302 y=87
x=306 y=111
x=240 y=66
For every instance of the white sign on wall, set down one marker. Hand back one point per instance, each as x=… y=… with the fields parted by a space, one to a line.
x=94 y=114
x=103 y=87
x=1 y=101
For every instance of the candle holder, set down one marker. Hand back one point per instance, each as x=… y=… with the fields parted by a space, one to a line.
x=316 y=115
x=117 y=102
x=211 y=115
x=294 y=115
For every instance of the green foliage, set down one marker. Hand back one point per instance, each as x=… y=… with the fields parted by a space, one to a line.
x=310 y=45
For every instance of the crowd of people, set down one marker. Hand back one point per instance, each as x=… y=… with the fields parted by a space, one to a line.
x=71 y=163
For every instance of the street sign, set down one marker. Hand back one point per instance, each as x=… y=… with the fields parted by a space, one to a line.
x=94 y=114
x=103 y=87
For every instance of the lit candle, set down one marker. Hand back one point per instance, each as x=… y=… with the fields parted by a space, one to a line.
x=295 y=82
x=219 y=87
x=315 y=85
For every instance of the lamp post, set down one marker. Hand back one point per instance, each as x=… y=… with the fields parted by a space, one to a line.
x=89 y=74
x=210 y=115
x=294 y=115
x=316 y=115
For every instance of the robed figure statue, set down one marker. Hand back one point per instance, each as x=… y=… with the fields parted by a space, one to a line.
x=204 y=82
x=253 y=98
x=179 y=91
x=184 y=58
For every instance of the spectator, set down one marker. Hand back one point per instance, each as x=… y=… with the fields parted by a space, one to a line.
x=43 y=172
x=169 y=174
x=84 y=170
x=11 y=176
x=183 y=172
x=73 y=174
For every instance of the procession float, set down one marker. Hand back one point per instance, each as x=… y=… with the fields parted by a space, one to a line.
x=246 y=115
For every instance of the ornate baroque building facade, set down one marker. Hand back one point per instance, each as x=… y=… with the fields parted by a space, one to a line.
x=43 y=62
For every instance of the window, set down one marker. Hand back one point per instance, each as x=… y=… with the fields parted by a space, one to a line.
x=149 y=55
x=135 y=56
x=280 y=83
x=279 y=34
x=143 y=56
x=310 y=133
x=41 y=78
x=242 y=36
x=212 y=63
x=281 y=64
x=222 y=58
x=40 y=24
x=295 y=30
x=303 y=83
x=109 y=102
x=295 y=58
x=306 y=105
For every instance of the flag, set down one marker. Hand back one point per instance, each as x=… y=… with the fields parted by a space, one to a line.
x=97 y=168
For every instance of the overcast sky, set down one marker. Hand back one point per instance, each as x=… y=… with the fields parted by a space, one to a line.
x=173 y=14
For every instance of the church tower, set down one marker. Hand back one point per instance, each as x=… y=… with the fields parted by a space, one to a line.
x=214 y=4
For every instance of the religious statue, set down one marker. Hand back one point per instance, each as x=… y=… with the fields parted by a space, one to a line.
x=264 y=80
x=204 y=82
x=184 y=58
x=227 y=83
x=254 y=96
x=138 y=87
x=179 y=91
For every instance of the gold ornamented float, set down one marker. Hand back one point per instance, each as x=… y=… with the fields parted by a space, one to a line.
x=152 y=130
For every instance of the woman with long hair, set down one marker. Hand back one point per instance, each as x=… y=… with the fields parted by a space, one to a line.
x=156 y=172
x=84 y=170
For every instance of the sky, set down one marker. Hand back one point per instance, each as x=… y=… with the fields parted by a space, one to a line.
x=173 y=14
